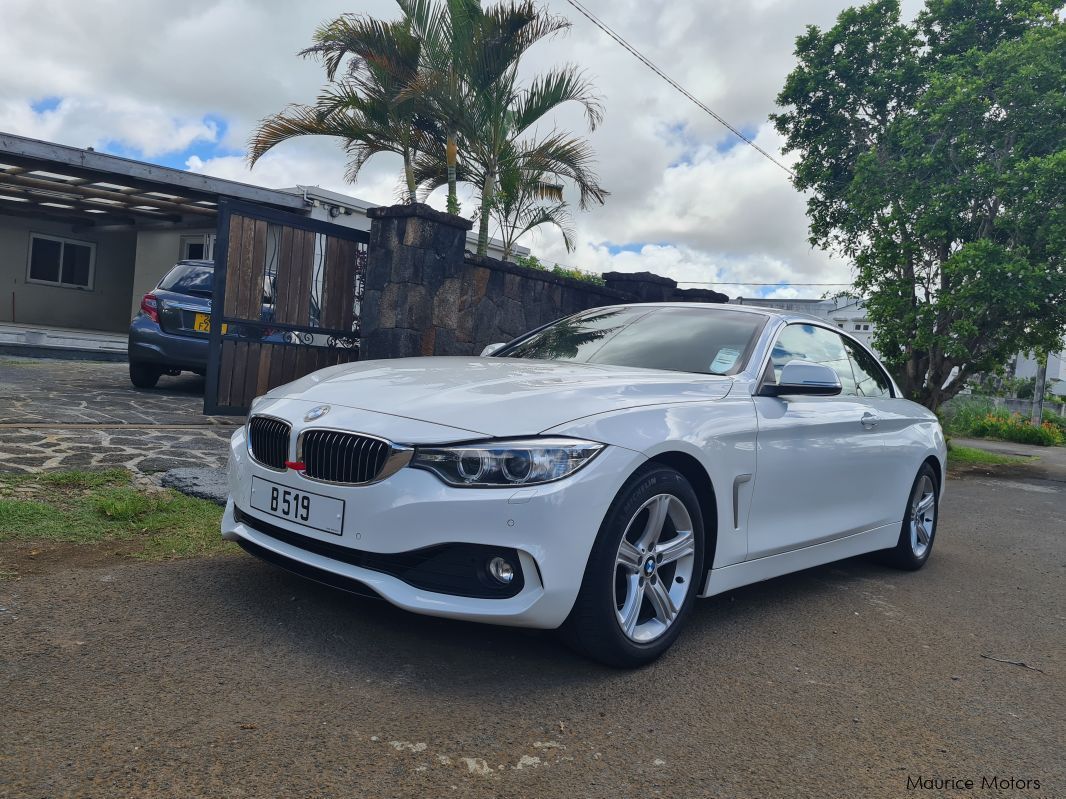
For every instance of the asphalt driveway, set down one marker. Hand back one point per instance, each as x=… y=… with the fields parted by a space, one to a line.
x=226 y=677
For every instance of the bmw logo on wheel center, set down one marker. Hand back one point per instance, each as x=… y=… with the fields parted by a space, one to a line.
x=316 y=413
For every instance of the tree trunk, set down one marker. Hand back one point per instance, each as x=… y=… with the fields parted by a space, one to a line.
x=409 y=176
x=452 y=156
x=486 y=203
x=1038 y=390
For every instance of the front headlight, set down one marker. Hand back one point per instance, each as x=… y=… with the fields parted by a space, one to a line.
x=516 y=462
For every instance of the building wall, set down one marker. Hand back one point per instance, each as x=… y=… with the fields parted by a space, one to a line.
x=157 y=252
x=103 y=307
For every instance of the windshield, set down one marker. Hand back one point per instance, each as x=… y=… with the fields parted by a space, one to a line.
x=195 y=279
x=701 y=340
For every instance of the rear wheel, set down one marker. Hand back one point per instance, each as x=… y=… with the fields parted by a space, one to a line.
x=642 y=576
x=916 y=535
x=144 y=375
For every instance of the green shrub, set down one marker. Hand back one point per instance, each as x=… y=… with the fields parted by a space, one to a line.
x=1056 y=420
x=533 y=262
x=961 y=415
x=1014 y=427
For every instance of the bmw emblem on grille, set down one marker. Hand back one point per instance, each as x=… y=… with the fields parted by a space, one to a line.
x=316 y=413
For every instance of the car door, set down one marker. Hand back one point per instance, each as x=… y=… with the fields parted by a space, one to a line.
x=816 y=457
x=905 y=445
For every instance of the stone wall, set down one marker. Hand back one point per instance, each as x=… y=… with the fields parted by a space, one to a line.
x=496 y=301
x=425 y=296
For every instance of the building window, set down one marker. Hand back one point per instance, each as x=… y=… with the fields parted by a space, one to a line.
x=61 y=262
x=865 y=327
x=197 y=248
x=858 y=327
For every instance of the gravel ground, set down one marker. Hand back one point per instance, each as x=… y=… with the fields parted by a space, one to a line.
x=227 y=677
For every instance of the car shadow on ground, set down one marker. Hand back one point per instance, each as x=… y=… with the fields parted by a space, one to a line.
x=186 y=383
x=346 y=632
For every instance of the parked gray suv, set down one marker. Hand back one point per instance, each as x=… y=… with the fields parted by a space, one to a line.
x=170 y=334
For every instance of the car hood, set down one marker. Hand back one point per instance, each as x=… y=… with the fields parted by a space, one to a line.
x=497 y=396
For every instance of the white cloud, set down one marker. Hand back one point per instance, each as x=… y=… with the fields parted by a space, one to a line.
x=97 y=122
x=152 y=76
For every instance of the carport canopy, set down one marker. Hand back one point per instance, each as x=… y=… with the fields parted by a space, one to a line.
x=104 y=192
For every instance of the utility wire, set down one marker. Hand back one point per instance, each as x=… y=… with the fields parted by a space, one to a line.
x=700 y=104
x=750 y=283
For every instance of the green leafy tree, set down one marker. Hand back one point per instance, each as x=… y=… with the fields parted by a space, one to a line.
x=367 y=106
x=934 y=157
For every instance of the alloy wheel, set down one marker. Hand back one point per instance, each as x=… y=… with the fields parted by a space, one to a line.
x=653 y=568
x=923 y=516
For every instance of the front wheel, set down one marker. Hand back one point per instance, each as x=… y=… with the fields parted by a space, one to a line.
x=642 y=576
x=919 y=523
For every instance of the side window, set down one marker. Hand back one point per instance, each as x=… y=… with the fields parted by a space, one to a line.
x=817 y=345
x=870 y=378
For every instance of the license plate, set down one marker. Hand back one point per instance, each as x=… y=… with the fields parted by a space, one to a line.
x=316 y=511
x=201 y=323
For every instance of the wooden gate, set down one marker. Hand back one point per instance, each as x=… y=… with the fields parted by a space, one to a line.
x=286 y=302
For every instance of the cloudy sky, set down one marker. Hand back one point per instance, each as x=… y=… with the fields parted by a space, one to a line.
x=183 y=84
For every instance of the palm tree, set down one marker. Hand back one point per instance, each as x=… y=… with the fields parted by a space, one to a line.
x=470 y=77
x=446 y=33
x=524 y=201
x=365 y=108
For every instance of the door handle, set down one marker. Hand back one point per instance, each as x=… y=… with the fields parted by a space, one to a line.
x=869 y=420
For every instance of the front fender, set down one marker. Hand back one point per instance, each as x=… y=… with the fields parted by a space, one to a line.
x=720 y=435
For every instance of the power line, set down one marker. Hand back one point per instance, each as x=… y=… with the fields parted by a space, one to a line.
x=700 y=104
x=750 y=283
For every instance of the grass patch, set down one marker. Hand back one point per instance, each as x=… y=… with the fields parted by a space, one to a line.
x=19 y=362
x=971 y=456
x=75 y=479
x=90 y=507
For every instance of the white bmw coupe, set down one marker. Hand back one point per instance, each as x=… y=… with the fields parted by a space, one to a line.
x=595 y=475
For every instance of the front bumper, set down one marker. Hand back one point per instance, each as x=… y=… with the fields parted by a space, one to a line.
x=551 y=528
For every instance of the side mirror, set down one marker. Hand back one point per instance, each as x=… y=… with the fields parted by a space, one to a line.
x=492 y=348
x=804 y=377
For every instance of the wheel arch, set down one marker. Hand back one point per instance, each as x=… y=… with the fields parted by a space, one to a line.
x=938 y=471
x=693 y=471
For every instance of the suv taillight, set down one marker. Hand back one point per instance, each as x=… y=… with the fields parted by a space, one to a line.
x=150 y=307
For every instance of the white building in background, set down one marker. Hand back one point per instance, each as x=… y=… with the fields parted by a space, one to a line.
x=847 y=313
x=1025 y=367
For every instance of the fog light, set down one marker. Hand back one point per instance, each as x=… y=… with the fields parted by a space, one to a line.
x=501 y=570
